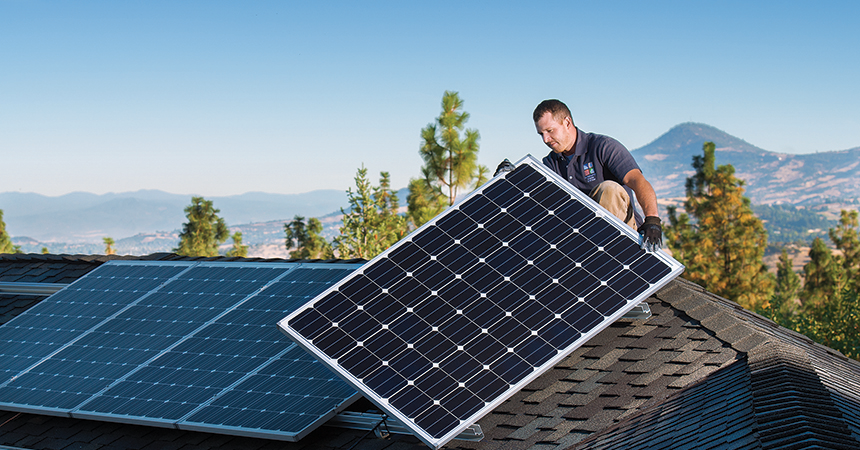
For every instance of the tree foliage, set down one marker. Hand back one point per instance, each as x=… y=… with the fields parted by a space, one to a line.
x=724 y=246
x=204 y=231
x=846 y=238
x=6 y=245
x=238 y=250
x=823 y=276
x=784 y=300
x=109 y=246
x=372 y=223
x=834 y=323
x=306 y=240
x=450 y=162
x=830 y=313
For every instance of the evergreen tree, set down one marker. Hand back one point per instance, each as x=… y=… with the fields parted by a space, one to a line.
x=846 y=238
x=372 y=223
x=109 y=243
x=238 y=250
x=835 y=323
x=824 y=277
x=723 y=249
x=6 y=245
x=306 y=239
x=423 y=203
x=45 y=250
x=784 y=300
x=204 y=231
x=450 y=162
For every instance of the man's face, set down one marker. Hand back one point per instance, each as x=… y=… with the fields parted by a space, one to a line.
x=559 y=136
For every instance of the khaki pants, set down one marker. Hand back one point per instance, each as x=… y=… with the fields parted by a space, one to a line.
x=614 y=198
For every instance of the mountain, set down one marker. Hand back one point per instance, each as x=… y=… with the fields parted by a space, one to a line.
x=149 y=220
x=770 y=177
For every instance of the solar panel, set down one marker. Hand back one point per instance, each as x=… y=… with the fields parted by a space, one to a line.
x=445 y=325
x=194 y=347
x=66 y=316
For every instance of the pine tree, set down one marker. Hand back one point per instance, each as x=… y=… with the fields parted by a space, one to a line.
x=372 y=223
x=450 y=162
x=109 y=243
x=846 y=238
x=5 y=240
x=306 y=239
x=424 y=203
x=784 y=300
x=204 y=231
x=238 y=250
x=723 y=249
x=824 y=277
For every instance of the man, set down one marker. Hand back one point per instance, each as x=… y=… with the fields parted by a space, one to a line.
x=600 y=167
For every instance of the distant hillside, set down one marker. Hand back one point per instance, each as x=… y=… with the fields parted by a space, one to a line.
x=147 y=221
x=770 y=177
x=86 y=218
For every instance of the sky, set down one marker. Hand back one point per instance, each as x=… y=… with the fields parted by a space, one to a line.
x=221 y=98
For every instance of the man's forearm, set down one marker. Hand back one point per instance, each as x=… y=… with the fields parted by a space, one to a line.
x=648 y=200
x=644 y=192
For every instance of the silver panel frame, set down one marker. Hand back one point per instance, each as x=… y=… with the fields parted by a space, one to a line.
x=676 y=269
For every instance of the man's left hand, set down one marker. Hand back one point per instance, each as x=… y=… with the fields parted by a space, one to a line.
x=651 y=234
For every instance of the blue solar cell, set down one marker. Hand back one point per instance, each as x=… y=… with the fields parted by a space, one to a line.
x=69 y=314
x=176 y=353
x=468 y=309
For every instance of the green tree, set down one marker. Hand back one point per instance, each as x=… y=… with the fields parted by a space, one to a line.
x=824 y=277
x=238 y=250
x=784 y=300
x=846 y=238
x=450 y=162
x=45 y=250
x=372 y=223
x=204 y=231
x=724 y=247
x=306 y=239
x=835 y=323
x=6 y=245
x=109 y=246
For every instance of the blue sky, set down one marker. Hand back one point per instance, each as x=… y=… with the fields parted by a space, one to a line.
x=220 y=98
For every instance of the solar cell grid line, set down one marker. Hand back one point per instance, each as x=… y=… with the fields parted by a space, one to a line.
x=291 y=393
x=286 y=398
x=217 y=357
x=157 y=325
x=65 y=317
x=116 y=347
x=469 y=308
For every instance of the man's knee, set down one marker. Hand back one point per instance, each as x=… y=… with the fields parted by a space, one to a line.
x=615 y=199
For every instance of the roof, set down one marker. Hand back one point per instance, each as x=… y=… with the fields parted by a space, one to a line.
x=702 y=372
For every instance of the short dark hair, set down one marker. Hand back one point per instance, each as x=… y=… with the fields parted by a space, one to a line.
x=558 y=110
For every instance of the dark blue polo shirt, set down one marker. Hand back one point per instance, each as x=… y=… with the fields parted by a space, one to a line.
x=596 y=158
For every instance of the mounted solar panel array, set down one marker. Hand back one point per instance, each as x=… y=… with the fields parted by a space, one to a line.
x=191 y=345
x=448 y=323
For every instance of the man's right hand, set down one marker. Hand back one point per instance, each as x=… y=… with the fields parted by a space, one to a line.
x=504 y=166
x=651 y=234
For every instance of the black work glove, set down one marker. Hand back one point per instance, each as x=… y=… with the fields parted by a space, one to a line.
x=651 y=234
x=504 y=166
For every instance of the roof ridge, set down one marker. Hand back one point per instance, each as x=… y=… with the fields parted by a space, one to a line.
x=737 y=327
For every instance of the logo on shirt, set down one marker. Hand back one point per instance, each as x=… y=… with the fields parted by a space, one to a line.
x=588 y=171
